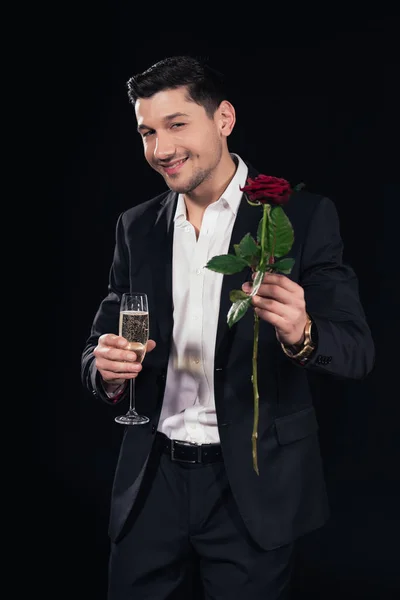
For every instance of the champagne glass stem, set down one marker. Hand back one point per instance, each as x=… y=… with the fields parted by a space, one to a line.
x=132 y=395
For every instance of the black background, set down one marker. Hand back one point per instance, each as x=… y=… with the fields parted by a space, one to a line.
x=314 y=96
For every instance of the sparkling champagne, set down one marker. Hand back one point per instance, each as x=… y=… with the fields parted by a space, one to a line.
x=134 y=326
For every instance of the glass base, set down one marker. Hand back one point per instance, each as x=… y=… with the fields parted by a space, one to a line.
x=132 y=418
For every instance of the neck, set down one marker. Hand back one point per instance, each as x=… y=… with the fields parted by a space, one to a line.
x=196 y=203
x=199 y=199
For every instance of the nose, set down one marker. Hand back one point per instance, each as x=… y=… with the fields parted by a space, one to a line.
x=164 y=148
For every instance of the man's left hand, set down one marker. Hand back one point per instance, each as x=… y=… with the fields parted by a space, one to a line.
x=280 y=301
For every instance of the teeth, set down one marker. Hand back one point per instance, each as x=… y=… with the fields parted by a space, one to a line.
x=175 y=164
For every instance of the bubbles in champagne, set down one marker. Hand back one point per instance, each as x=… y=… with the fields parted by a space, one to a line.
x=134 y=326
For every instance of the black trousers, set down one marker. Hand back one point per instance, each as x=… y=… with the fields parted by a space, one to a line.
x=185 y=539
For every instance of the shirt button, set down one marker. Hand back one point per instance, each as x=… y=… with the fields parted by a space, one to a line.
x=187 y=228
x=198 y=271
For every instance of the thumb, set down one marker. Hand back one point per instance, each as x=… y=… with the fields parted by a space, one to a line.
x=151 y=344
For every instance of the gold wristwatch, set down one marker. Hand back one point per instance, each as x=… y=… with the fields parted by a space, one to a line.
x=309 y=345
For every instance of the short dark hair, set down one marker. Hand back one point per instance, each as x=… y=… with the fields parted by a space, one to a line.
x=204 y=85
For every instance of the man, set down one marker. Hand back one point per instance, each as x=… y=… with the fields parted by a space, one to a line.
x=185 y=490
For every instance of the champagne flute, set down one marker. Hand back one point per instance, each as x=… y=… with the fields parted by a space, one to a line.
x=134 y=326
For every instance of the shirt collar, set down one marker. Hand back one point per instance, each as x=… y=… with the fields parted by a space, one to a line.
x=231 y=196
x=180 y=211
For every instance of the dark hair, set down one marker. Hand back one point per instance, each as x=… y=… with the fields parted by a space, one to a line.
x=205 y=86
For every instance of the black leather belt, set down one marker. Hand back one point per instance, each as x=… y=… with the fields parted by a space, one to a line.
x=189 y=453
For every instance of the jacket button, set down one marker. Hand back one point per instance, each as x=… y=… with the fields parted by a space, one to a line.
x=153 y=429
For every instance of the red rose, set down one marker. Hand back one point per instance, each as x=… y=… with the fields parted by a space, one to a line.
x=265 y=189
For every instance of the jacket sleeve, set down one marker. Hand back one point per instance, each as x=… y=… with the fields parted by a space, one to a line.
x=107 y=317
x=345 y=346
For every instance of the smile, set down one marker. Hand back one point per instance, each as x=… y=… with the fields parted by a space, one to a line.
x=174 y=168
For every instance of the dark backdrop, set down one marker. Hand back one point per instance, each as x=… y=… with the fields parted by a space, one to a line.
x=316 y=105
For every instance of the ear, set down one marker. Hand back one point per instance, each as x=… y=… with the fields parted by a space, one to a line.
x=226 y=118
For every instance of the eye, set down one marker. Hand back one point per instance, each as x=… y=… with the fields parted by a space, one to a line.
x=147 y=133
x=177 y=125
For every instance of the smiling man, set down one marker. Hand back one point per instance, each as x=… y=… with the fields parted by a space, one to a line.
x=186 y=143
x=185 y=494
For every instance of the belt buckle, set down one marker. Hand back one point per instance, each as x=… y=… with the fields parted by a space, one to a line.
x=192 y=462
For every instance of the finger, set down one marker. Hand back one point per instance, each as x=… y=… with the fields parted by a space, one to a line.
x=110 y=339
x=280 y=280
x=114 y=354
x=270 y=305
x=151 y=344
x=276 y=292
x=274 y=319
x=246 y=287
x=118 y=367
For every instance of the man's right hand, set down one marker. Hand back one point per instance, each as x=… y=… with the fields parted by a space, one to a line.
x=115 y=362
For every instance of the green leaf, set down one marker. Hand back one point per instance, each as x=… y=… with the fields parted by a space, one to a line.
x=257 y=282
x=226 y=264
x=280 y=232
x=284 y=265
x=248 y=246
x=238 y=310
x=237 y=295
x=248 y=250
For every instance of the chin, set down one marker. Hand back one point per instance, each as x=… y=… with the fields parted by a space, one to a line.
x=178 y=187
x=178 y=190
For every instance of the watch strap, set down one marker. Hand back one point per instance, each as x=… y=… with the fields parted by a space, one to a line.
x=303 y=354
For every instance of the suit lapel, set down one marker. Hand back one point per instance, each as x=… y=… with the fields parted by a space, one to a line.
x=247 y=220
x=161 y=265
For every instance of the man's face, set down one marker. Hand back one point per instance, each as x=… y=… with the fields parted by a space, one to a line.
x=180 y=140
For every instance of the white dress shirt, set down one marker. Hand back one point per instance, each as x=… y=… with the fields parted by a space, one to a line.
x=188 y=411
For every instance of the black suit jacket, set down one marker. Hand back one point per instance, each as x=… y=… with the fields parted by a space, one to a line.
x=288 y=498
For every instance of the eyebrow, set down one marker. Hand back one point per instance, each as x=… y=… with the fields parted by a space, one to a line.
x=165 y=119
